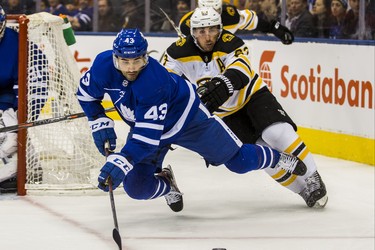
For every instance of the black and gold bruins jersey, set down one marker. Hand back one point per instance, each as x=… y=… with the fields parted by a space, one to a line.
x=230 y=52
x=232 y=19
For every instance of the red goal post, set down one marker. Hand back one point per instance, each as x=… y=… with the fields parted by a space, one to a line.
x=57 y=157
x=22 y=104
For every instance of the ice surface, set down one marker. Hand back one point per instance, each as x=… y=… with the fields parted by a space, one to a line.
x=222 y=209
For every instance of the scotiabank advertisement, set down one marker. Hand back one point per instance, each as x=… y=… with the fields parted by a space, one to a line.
x=322 y=86
x=326 y=87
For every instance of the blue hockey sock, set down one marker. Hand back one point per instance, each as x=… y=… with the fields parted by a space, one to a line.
x=268 y=157
x=252 y=157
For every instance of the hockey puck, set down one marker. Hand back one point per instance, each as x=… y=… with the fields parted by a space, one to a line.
x=219 y=249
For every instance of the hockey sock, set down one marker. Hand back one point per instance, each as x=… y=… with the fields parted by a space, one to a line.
x=253 y=157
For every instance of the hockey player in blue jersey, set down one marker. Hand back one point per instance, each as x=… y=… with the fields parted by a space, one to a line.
x=8 y=104
x=161 y=108
x=37 y=81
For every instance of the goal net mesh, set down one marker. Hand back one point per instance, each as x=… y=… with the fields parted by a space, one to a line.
x=62 y=155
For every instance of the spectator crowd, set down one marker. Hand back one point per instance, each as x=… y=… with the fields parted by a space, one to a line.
x=333 y=19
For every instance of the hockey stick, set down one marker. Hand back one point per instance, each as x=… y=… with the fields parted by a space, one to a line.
x=179 y=33
x=116 y=232
x=47 y=121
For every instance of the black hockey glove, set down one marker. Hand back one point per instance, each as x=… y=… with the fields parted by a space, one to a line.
x=282 y=32
x=215 y=92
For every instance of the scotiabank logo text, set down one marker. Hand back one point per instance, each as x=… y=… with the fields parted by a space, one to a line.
x=328 y=89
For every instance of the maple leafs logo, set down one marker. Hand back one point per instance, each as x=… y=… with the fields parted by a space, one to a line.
x=127 y=113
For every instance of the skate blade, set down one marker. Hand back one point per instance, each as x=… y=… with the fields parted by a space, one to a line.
x=321 y=203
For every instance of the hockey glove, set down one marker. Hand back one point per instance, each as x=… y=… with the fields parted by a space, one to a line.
x=282 y=32
x=215 y=92
x=103 y=130
x=8 y=140
x=116 y=167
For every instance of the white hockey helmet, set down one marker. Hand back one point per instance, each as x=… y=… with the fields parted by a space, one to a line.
x=216 y=4
x=204 y=17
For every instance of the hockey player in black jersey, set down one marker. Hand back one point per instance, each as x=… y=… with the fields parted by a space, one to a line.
x=217 y=61
x=234 y=19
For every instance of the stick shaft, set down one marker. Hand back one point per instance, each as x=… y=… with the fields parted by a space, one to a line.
x=179 y=33
x=113 y=206
x=47 y=121
x=116 y=232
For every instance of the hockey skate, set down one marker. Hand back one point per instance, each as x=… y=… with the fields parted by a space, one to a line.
x=291 y=164
x=8 y=186
x=174 y=197
x=315 y=193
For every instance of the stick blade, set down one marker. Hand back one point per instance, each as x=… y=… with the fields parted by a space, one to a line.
x=117 y=238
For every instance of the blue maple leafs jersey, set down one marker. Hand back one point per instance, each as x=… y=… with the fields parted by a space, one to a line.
x=9 y=69
x=157 y=105
x=38 y=75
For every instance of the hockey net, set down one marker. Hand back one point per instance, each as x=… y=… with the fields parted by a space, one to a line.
x=61 y=156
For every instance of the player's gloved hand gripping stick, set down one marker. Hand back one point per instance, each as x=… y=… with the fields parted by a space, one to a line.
x=215 y=92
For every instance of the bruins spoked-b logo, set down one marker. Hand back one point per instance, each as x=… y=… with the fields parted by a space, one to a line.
x=231 y=11
x=181 y=41
x=227 y=37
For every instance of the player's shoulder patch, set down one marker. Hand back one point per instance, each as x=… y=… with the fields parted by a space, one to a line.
x=180 y=42
x=227 y=37
x=229 y=42
x=182 y=47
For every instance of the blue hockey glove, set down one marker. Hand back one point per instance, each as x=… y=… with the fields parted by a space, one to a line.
x=103 y=130
x=116 y=167
x=215 y=92
x=282 y=32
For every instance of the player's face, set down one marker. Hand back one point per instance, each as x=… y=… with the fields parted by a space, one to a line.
x=131 y=67
x=206 y=37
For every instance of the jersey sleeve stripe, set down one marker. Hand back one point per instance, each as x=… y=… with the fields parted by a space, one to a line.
x=251 y=21
x=145 y=139
x=157 y=193
x=83 y=96
x=231 y=27
x=149 y=125
x=241 y=65
x=190 y=59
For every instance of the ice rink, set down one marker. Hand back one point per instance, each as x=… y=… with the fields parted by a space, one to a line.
x=222 y=209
